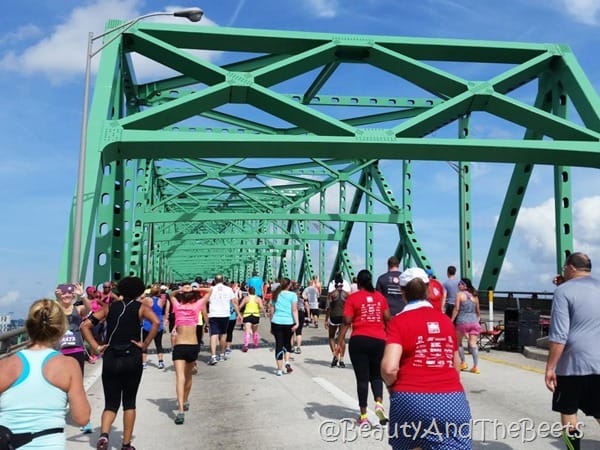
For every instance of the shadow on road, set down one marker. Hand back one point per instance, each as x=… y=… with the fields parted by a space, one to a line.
x=318 y=410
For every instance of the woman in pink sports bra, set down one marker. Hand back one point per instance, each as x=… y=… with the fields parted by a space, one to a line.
x=187 y=304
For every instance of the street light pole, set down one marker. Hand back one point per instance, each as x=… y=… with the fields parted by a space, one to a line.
x=193 y=15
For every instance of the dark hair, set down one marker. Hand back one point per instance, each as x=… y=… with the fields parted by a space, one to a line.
x=415 y=289
x=364 y=280
x=393 y=261
x=580 y=261
x=338 y=278
x=131 y=287
x=451 y=270
x=251 y=290
x=187 y=297
x=469 y=285
x=219 y=278
x=46 y=321
x=283 y=284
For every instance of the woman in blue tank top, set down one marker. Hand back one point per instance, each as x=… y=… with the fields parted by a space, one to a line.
x=37 y=383
x=157 y=303
x=284 y=322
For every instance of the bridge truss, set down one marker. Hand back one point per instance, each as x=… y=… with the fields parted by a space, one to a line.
x=264 y=150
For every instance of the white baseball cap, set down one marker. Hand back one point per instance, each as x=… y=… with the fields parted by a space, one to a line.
x=411 y=273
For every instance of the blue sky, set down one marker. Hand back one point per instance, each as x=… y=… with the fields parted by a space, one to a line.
x=42 y=58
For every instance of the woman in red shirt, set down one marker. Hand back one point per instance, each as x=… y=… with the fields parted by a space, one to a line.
x=420 y=367
x=367 y=312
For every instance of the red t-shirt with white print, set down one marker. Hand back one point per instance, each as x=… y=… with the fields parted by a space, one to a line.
x=428 y=341
x=366 y=309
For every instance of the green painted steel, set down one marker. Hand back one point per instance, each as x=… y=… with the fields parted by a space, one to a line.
x=265 y=152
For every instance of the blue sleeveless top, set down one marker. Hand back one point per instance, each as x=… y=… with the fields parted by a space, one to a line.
x=159 y=313
x=32 y=404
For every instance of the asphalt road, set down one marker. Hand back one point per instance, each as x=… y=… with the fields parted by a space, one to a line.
x=241 y=403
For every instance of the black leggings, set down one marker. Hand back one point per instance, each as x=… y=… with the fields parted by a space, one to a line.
x=283 y=338
x=301 y=316
x=157 y=340
x=366 y=354
x=230 y=328
x=121 y=376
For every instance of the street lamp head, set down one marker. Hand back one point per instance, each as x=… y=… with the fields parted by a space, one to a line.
x=192 y=14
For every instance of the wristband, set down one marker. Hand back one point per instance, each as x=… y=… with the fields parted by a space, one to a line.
x=94 y=320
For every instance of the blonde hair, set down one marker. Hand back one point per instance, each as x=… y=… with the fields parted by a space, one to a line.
x=46 y=321
x=155 y=290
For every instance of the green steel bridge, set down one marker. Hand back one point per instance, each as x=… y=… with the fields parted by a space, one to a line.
x=270 y=159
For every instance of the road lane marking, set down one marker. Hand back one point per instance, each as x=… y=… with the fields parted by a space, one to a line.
x=346 y=400
x=511 y=364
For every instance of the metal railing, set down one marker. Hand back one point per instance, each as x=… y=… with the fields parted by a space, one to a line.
x=541 y=301
x=12 y=341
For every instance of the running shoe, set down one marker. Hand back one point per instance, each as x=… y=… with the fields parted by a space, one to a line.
x=288 y=368
x=278 y=372
x=380 y=413
x=161 y=365
x=213 y=360
x=227 y=353
x=186 y=406
x=179 y=418
x=144 y=365
x=464 y=366
x=363 y=421
x=297 y=350
x=341 y=365
x=87 y=428
x=245 y=348
x=334 y=361
x=475 y=370
x=102 y=443
x=221 y=357
x=127 y=447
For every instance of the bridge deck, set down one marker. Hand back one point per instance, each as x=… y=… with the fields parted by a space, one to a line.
x=240 y=403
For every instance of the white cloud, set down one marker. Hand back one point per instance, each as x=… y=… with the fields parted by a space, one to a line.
x=584 y=11
x=587 y=225
x=61 y=55
x=325 y=9
x=536 y=225
x=6 y=300
x=23 y=33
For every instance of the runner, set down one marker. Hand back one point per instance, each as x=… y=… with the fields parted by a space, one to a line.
x=252 y=306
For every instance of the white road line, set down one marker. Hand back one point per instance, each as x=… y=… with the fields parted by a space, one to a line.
x=346 y=400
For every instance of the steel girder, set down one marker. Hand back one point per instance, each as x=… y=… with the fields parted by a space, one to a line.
x=260 y=156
